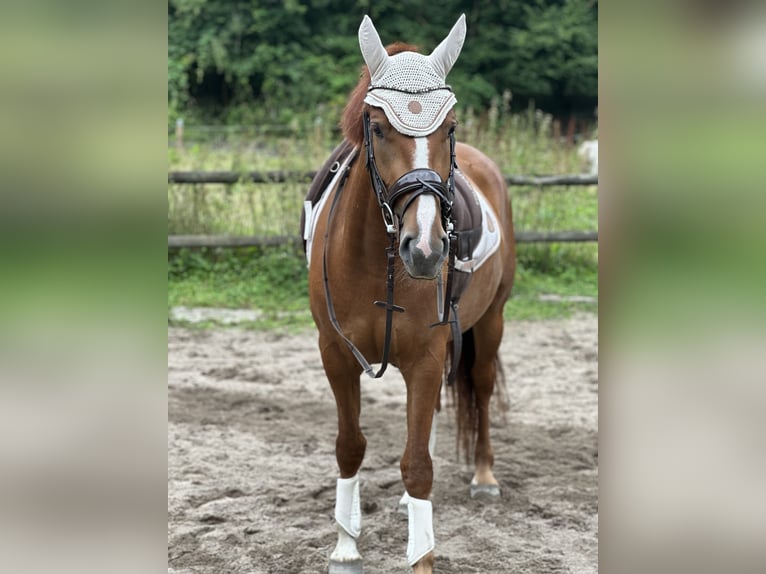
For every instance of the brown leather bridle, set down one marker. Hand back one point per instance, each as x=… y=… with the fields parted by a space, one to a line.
x=415 y=183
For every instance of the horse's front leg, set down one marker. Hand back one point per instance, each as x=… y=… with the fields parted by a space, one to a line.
x=423 y=384
x=343 y=373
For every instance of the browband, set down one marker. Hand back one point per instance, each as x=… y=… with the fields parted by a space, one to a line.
x=413 y=92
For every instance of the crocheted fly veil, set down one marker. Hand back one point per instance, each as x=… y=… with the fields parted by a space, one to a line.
x=410 y=87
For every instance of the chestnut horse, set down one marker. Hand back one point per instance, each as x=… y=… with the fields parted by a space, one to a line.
x=397 y=202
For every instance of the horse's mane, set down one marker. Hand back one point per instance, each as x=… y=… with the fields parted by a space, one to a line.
x=351 y=121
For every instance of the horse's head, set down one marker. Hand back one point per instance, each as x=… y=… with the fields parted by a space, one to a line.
x=409 y=136
x=415 y=172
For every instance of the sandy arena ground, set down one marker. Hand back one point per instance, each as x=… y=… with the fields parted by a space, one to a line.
x=251 y=462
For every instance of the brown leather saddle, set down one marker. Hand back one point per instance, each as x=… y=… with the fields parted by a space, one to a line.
x=466 y=209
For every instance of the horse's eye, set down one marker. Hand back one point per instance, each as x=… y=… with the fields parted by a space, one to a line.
x=377 y=131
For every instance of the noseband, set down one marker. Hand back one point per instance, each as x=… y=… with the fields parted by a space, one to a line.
x=416 y=182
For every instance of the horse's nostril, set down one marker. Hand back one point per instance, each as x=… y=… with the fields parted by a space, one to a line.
x=445 y=246
x=404 y=244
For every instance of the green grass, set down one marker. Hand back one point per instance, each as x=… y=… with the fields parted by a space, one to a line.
x=291 y=324
x=274 y=280
x=525 y=303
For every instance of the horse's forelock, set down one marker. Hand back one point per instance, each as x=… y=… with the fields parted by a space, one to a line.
x=351 y=122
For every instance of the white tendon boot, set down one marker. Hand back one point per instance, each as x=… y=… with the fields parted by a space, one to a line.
x=348 y=514
x=421 y=529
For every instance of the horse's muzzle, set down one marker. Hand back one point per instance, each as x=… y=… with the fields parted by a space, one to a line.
x=422 y=246
x=423 y=257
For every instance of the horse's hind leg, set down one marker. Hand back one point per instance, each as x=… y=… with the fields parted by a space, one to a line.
x=350 y=446
x=487 y=334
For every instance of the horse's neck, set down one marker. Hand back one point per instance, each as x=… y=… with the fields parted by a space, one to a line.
x=363 y=232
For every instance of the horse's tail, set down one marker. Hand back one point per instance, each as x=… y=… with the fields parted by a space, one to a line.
x=464 y=396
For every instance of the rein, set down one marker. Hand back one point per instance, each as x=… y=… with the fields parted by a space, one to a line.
x=416 y=182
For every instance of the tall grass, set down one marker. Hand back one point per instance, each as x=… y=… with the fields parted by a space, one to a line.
x=526 y=143
x=529 y=142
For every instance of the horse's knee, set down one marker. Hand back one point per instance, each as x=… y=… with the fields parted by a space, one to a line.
x=417 y=475
x=349 y=452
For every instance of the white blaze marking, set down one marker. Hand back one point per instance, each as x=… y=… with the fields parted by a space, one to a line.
x=421 y=153
x=426 y=217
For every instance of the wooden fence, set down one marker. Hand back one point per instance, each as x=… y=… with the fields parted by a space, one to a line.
x=231 y=177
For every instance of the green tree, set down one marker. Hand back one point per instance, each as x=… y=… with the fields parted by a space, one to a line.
x=242 y=60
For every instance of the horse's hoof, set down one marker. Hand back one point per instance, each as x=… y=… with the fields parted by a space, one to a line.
x=353 y=567
x=485 y=491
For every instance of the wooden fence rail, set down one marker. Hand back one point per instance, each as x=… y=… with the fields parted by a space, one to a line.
x=178 y=241
x=230 y=177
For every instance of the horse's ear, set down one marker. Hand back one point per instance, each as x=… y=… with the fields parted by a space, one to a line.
x=445 y=54
x=372 y=48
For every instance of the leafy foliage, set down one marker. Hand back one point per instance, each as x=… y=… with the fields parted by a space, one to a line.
x=250 y=60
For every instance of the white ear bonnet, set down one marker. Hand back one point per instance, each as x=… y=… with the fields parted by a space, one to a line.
x=410 y=87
